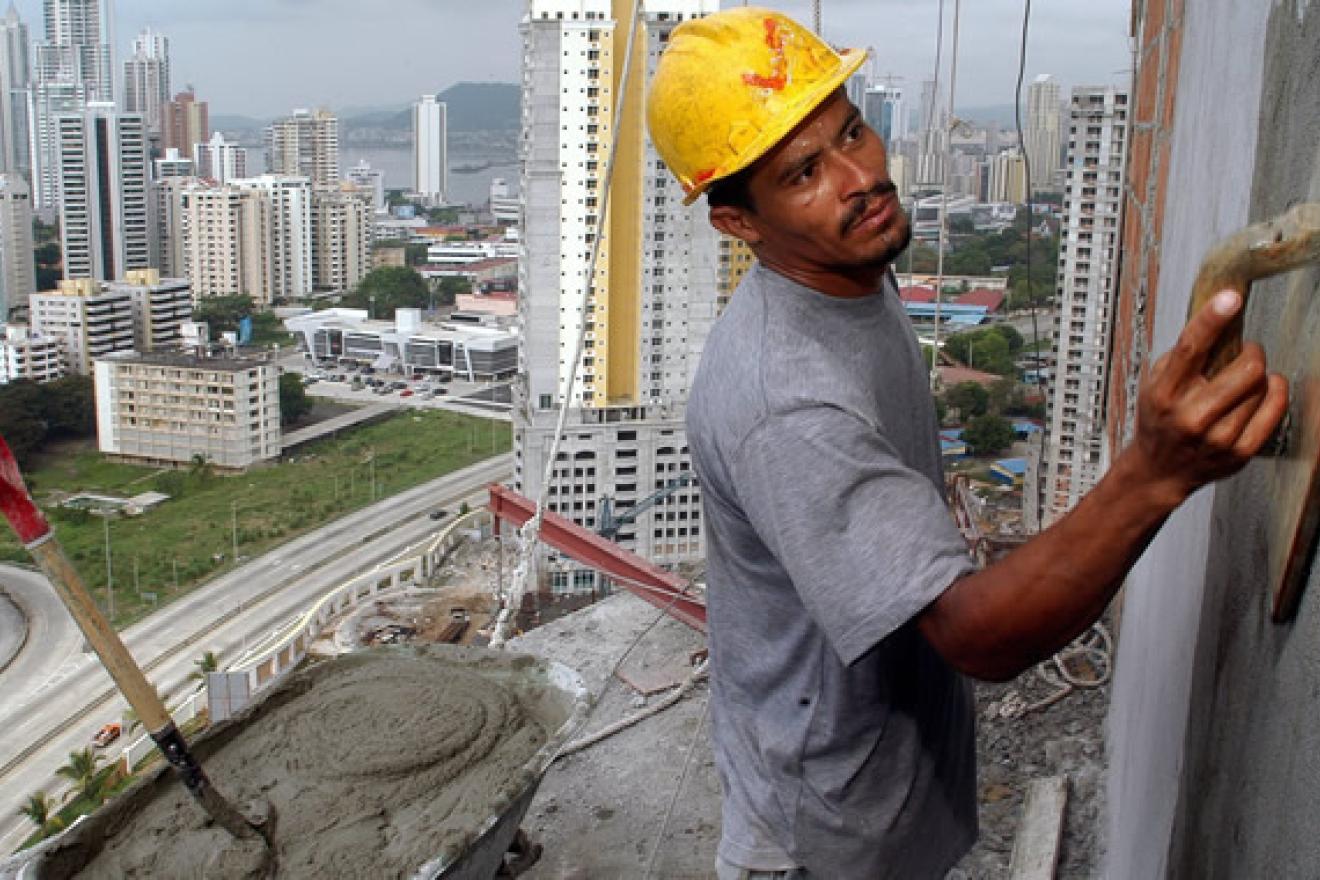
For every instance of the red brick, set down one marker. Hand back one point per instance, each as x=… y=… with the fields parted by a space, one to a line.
x=1148 y=78
x=1152 y=22
x=1138 y=167
x=1172 y=55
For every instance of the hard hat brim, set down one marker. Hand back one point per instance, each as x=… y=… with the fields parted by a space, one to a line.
x=851 y=61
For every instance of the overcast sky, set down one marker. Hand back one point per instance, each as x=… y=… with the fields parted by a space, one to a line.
x=264 y=57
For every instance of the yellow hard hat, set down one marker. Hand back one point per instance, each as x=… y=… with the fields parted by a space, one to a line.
x=731 y=85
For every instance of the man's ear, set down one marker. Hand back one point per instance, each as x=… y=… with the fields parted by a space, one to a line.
x=736 y=223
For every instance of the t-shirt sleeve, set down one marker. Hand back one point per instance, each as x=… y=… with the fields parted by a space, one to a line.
x=867 y=541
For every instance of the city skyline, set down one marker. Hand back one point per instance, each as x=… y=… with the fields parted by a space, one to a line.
x=297 y=50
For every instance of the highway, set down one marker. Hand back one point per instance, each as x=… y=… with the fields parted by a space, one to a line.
x=54 y=696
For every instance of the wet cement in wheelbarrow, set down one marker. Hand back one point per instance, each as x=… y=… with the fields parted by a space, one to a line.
x=372 y=771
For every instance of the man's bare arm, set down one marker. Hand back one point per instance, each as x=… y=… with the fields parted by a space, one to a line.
x=1190 y=431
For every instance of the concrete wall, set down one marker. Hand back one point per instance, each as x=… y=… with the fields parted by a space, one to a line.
x=1215 y=750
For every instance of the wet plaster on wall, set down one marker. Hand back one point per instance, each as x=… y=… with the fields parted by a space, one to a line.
x=1208 y=196
x=1251 y=784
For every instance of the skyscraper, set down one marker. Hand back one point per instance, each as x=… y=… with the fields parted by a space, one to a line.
x=147 y=80
x=17 y=272
x=77 y=47
x=15 y=94
x=653 y=295
x=1043 y=133
x=222 y=240
x=882 y=108
x=289 y=238
x=1076 y=455
x=341 y=237
x=186 y=122
x=430 y=149
x=104 y=227
x=219 y=160
x=305 y=144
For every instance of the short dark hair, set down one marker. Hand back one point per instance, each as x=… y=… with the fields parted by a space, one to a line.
x=733 y=191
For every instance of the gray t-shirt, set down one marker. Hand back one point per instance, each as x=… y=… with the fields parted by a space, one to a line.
x=844 y=742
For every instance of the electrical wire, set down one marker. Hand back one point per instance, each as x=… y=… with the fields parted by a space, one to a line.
x=1031 y=299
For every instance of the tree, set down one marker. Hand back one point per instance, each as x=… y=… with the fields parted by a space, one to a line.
x=387 y=288
x=205 y=664
x=69 y=407
x=83 y=771
x=222 y=313
x=449 y=288
x=989 y=434
x=1011 y=336
x=969 y=398
x=293 y=399
x=415 y=253
x=39 y=808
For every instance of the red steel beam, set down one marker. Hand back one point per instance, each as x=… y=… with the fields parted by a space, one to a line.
x=661 y=588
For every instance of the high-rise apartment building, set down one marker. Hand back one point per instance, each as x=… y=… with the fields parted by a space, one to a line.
x=15 y=95
x=934 y=127
x=160 y=308
x=363 y=176
x=882 y=109
x=1007 y=178
x=89 y=319
x=172 y=164
x=431 y=149
x=51 y=100
x=104 y=225
x=147 y=80
x=1043 y=135
x=1076 y=454
x=221 y=240
x=17 y=271
x=289 y=233
x=25 y=354
x=341 y=237
x=170 y=407
x=77 y=47
x=305 y=144
x=186 y=122
x=166 y=228
x=220 y=160
x=653 y=296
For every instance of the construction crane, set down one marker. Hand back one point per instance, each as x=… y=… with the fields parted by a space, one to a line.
x=608 y=524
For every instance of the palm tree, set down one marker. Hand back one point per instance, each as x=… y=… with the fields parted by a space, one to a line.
x=39 y=808
x=82 y=772
x=205 y=664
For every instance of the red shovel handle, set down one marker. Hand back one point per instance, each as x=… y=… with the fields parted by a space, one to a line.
x=15 y=501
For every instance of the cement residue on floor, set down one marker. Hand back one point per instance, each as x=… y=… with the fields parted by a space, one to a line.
x=373 y=768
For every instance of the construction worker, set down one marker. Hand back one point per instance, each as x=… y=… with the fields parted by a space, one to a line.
x=844 y=611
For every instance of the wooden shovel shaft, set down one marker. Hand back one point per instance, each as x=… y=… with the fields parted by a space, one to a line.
x=128 y=677
x=1270 y=248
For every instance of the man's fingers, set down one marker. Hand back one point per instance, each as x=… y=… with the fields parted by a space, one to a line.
x=1188 y=355
x=1266 y=418
x=1242 y=380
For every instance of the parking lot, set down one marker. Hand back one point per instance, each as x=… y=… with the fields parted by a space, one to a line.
x=367 y=385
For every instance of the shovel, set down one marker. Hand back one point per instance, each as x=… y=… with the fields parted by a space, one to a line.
x=36 y=535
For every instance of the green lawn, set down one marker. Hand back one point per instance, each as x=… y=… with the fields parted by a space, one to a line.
x=192 y=534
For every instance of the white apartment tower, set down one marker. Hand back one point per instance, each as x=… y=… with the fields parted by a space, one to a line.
x=15 y=95
x=1043 y=136
x=362 y=175
x=104 y=226
x=654 y=293
x=1007 y=175
x=160 y=308
x=172 y=164
x=147 y=79
x=1076 y=454
x=89 y=319
x=220 y=160
x=431 y=149
x=28 y=355
x=17 y=272
x=305 y=144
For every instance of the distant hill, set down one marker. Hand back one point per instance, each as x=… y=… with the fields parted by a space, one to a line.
x=470 y=106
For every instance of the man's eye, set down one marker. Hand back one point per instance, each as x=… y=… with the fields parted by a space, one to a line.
x=805 y=174
x=855 y=133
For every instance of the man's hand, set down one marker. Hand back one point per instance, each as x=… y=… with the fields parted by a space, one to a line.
x=1192 y=430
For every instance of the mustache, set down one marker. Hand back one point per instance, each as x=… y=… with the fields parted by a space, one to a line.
x=881 y=190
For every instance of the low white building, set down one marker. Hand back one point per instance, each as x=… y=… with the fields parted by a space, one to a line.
x=467 y=351
x=168 y=408
x=28 y=355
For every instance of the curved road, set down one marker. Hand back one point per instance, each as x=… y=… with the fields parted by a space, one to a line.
x=59 y=700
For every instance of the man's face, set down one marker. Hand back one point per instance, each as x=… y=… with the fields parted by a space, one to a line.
x=823 y=201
